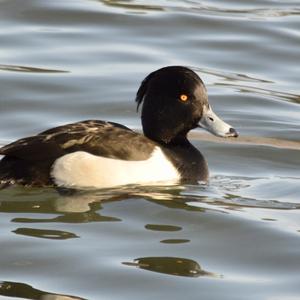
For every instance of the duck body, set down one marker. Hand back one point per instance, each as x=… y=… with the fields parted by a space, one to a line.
x=103 y=154
x=96 y=153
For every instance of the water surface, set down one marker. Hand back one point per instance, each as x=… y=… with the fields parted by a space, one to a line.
x=235 y=238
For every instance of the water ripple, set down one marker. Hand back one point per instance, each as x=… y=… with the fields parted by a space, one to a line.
x=201 y=7
x=230 y=76
x=14 y=68
x=257 y=13
x=291 y=97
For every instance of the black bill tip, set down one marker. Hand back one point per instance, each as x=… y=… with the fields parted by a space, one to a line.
x=233 y=132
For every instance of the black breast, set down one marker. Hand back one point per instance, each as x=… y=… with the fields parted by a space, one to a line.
x=188 y=160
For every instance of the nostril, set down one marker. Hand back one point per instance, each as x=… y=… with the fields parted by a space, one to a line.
x=233 y=132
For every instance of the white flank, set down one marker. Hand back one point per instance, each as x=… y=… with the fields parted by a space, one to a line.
x=82 y=169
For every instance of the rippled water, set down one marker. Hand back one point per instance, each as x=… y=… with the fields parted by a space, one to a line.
x=237 y=237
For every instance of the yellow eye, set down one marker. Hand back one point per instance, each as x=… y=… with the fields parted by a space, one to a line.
x=184 y=97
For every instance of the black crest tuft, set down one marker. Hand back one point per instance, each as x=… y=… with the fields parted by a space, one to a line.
x=143 y=89
x=165 y=75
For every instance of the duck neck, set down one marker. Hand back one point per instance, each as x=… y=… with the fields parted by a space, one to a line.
x=188 y=160
x=166 y=137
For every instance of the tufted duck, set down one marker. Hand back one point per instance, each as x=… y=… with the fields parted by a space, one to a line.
x=103 y=154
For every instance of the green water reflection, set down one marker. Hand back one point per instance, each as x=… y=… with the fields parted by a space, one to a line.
x=175 y=241
x=157 y=227
x=26 y=69
x=132 y=5
x=170 y=265
x=46 y=233
x=25 y=291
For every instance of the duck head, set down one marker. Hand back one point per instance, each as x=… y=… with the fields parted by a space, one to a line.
x=174 y=102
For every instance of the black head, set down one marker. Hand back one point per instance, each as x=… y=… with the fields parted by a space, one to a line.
x=173 y=100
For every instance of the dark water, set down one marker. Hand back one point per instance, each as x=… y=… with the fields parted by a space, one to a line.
x=236 y=238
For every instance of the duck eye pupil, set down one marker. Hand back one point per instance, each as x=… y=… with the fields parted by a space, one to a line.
x=211 y=119
x=183 y=97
